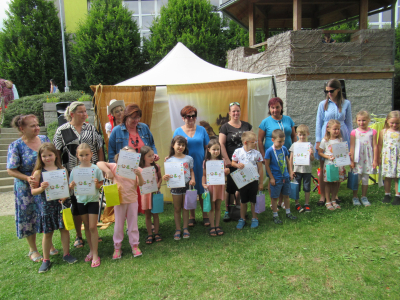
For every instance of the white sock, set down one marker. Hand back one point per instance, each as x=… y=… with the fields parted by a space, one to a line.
x=387 y=194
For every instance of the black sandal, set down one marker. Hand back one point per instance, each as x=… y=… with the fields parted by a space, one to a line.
x=211 y=232
x=149 y=239
x=78 y=242
x=157 y=237
x=192 y=222
x=219 y=230
x=206 y=221
x=321 y=203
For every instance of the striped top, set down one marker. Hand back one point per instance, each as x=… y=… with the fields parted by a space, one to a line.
x=67 y=140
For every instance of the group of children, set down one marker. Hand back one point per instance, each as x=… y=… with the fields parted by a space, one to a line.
x=365 y=153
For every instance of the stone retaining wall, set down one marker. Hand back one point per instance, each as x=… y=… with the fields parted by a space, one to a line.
x=50 y=112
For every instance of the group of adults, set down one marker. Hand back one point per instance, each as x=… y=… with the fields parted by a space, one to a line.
x=126 y=129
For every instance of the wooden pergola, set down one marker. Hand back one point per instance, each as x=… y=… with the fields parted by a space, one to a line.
x=300 y=14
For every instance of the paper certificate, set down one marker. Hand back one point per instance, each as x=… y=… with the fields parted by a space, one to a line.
x=127 y=162
x=58 y=184
x=178 y=176
x=215 y=172
x=244 y=176
x=341 y=153
x=84 y=181
x=301 y=154
x=149 y=181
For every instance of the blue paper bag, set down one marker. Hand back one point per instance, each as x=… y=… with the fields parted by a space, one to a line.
x=352 y=181
x=206 y=201
x=294 y=190
x=190 y=199
x=157 y=203
x=260 y=203
x=332 y=173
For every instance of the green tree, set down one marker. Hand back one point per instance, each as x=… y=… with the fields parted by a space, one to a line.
x=344 y=37
x=106 y=46
x=192 y=23
x=30 y=46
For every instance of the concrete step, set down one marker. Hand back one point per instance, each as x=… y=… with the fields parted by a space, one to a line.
x=4 y=152
x=3 y=166
x=6 y=181
x=6 y=188
x=13 y=130
x=4 y=146
x=10 y=135
x=3 y=159
x=6 y=141
x=3 y=174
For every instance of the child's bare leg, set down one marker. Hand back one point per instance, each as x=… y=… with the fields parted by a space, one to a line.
x=243 y=210
x=306 y=197
x=46 y=244
x=211 y=214
x=156 y=222
x=253 y=210
x=280 y=200
x=148 y=222
x=65 y=241
x=237 y=194
x=178 y=200
x=85 y=220
x=334 y=191
x=217 y=204
x=364 y=189
x=274 y=203
x=387 y=184
x=321 y=181
x=94 y=235
x=286 y=201
x=185 y=215
x=328 y=191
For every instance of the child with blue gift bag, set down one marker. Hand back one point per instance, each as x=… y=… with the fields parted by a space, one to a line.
x=302 y=172
x=363 y=147
x=332 y=136
x=280 y=173
x=248 y=154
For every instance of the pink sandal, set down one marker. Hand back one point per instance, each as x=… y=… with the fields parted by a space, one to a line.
x=96 y=263
x=118 y=253
x=89 y=258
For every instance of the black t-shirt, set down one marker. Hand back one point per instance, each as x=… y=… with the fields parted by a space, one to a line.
x=234 y=136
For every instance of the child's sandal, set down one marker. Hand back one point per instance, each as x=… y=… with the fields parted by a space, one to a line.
x=117 y=254
x=329 y=206
x=177 y=235
x=219 y=231
x=96 y=263
x=157 y=237
x=212 y=232
x=149 y=239
x=186 y=235
x=335 y=205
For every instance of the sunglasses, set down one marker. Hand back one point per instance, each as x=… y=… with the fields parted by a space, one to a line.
x=191 y=116
x=330 y=91
x=135 y=144
x=234 y=103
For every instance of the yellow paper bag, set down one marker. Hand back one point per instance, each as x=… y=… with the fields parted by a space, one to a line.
x=67 y=218
x=112 y=195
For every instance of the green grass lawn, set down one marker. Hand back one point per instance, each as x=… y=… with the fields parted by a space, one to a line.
x=349 y=254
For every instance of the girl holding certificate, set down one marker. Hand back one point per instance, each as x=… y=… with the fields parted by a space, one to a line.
x=217 y=191
x=88 y=204
x=50 y=211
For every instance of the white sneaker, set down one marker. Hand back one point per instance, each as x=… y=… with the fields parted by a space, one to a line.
x=356 y=202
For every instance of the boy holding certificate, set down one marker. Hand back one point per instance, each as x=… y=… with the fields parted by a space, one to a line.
x=301 y=155
x=248 y=154
x=280 y=173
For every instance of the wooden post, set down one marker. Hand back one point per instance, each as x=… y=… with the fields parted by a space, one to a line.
x=252 y=27
x=297 y=14
x=363 y=14
x=266 y=29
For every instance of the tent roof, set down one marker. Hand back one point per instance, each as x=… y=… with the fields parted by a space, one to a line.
x=182 y=66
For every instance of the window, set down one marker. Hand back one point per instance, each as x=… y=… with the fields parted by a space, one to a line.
x=387 y=16
x=374 y=18
x=148 y=7
x=146 y=22
x=132 y=6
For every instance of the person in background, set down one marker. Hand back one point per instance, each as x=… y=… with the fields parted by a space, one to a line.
x=53 y=86
x=327 y=39
x=6 y=91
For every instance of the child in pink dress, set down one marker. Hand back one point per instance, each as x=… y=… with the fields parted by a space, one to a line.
x=128 y=208
x=147 y=160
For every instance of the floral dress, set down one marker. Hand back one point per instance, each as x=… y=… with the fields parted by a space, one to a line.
x=49 y=213
x=327 y=147
x=364 y=164
x=23 y=158
x=390 y=154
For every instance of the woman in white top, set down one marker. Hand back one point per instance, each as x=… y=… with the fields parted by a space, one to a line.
x=115 y=112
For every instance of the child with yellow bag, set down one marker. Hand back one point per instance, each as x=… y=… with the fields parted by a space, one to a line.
x=128 y=208
x=51 y=218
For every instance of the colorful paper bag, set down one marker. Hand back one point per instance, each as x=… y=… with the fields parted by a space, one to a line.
x=352 y=181
x=294 y=190
x=67 y=218
x=332 y=173
x=190 y=199
x=260 y=203
x=157 y=203
x=112 y=195
x=206 y=201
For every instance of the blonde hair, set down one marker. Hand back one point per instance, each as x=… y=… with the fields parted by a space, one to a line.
x=302 y=128
x=330 y=124
x=83 y=146
x=39 y=163
x=391 y=115
x=362 y=113
x=278 y=134
x=124 y=148
x=248 y=135
x=71 y=109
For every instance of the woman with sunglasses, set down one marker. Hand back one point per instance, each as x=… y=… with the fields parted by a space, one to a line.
x=197 y=140
x=130 y=133
x=333 y=107
x=230 y=138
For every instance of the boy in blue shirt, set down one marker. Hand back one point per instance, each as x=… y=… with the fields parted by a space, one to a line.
x=280 y=173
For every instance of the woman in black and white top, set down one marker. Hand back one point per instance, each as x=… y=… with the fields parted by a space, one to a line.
x=67 y=138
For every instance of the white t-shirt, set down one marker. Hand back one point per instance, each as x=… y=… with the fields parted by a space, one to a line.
x=301 y=169
x=108 y=127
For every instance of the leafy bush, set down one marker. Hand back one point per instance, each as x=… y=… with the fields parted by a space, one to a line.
x=51 y=129
x=85 y=97
x=34 y=105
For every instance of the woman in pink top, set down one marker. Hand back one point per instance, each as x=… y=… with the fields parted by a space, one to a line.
x=128 y=209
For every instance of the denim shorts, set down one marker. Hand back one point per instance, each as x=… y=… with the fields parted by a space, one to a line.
x=306 y=177
x=280 y=187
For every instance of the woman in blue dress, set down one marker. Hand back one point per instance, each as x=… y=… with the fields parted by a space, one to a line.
x=21 y=160
x=197 y=139
x=333 y=107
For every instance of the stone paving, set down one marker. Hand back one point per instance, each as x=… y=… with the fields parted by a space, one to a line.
x=7 y=204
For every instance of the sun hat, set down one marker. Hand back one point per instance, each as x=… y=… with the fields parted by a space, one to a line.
x=114 y=103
